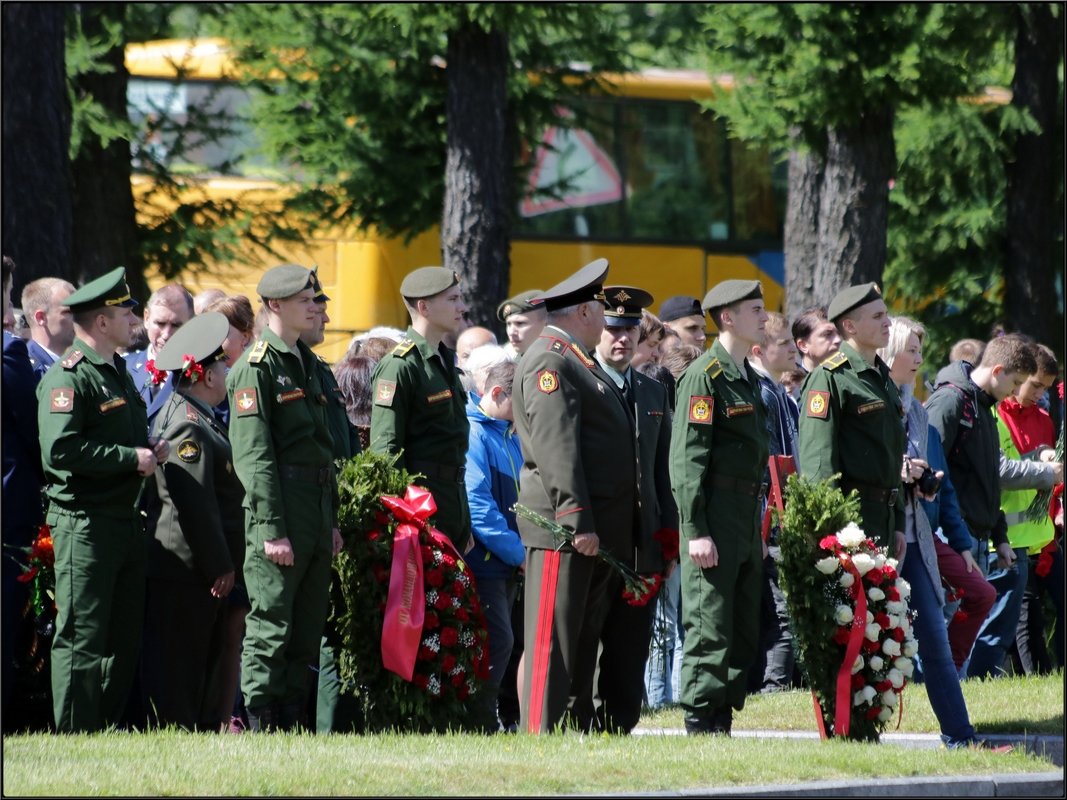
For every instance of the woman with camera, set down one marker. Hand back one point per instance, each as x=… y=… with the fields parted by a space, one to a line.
x=903 y=354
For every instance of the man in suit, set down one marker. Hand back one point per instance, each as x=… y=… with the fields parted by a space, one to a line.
x=620 y=684
x=50 y=319
x=168 y=308
x=579 y=470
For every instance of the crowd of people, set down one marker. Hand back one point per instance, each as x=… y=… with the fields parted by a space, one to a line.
x=184 y=462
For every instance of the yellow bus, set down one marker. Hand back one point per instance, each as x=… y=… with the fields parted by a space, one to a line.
x=653 y=184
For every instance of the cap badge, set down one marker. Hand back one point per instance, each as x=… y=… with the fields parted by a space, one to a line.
x=621 y=297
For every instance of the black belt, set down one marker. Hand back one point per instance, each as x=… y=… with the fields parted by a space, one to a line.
x=319 y=475
x=441 y=472
x=752 y=488
x=876 y=494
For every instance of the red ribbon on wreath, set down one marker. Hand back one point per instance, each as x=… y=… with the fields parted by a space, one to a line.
x=843 y=706
x=405 y=605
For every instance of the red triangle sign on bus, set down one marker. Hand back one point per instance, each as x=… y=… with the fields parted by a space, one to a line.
x=570 y=160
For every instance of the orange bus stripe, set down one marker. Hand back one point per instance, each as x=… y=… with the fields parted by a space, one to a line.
x=543 y=639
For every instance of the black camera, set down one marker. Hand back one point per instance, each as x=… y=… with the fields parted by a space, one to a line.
x=928 y=483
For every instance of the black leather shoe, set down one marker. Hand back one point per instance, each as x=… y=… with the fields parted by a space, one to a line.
x=696 y=724
x=722 y=720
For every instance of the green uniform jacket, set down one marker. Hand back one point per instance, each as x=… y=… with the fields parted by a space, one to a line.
x=91 y=420
x=277 y=418
x=580 y=463
x=420 y=410
x=851 y=422
x=658 y=509
x=195 y=513
x=719 y=429
x=345 y=438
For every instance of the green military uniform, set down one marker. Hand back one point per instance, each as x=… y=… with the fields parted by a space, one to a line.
x=420 y=410
x=282 y=451
x=196 y=528
x=851 y=423
x=718 y=456
x=91 y=420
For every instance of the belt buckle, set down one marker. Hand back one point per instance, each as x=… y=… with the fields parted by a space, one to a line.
x=893 y=494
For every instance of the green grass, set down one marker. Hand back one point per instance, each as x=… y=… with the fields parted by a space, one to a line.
x=174 y=763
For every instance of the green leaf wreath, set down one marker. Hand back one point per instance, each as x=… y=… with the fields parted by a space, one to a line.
x=453 y=657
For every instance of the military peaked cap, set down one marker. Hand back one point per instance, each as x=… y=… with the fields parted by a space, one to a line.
x=316 y=284
x=624 y=305
x=427 y=281
x=852 y=297
x=584 y=285
x=201 y=337
x=107 y=290
x=729 y=292
x=283 y=281
x=522 y=303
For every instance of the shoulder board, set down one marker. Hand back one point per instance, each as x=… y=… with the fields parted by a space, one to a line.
x=403 y=348
x=583 y=357
x=557 y=346
x=714 y=368
x=835 y=361
x=72 y=359
x=259 y=349
x=191 y=414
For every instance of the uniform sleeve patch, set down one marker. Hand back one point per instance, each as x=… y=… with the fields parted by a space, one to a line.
x=547 y=381
x=246 y=401
x=62 y=401
x=701 y=409
x=189 y=451
x=384 y=393
x=818 y=404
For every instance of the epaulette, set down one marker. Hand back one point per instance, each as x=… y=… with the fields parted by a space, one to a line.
x=72 y=359
x=191 y=414
x=714 y=368
x=558 y=346
x=259 y=349
x=583 y=356
x=403 y=348
x=835 y=361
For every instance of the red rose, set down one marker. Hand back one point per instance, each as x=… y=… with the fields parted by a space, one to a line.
x=449 y=636
x=898 y=634
x=829 y=543
x=841 y=635
x=426 y=654
x=448 y=560
x=871 y=647
x=457 y=588
x=891 y=593
x=858 y=681
x=373 y=535
x=421 y=681
x=463 y=692
x=889 y=573
x=430 y=621
x=462 y=615
x=882 y=619
x=448 y=662
x=874 y=577
x=443 y=601
x=883 y=686
x=459 y=679
x=435 y=578
x=873 y=712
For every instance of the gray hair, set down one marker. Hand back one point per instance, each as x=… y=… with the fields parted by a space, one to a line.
x=481 y=360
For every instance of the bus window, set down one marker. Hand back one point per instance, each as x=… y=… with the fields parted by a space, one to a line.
x=759 y=182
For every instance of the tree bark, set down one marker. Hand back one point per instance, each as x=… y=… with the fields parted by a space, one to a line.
x=1029 y=272
x=476 y=223
x=36 y=137
x=802 y=229
x=105 y=226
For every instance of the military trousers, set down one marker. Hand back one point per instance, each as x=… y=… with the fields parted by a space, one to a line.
x=283 y=629
x=566 y=603
x=721 y=615
x=100 y=590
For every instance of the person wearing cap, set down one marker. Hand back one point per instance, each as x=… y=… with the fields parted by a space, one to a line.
x=419 y=403
x=718 y=457
x=283 y=454
x=196 y=534
x=627 y=633
x=580 y=470
x=524 y=318
x=96 y=454
x=851 y=417
x=684 y=316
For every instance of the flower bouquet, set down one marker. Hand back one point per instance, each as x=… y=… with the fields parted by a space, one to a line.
x=848 y=609
x=637 y=589
x=38 y=569
x=433 y=656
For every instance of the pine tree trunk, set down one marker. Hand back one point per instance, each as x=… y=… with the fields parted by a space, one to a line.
x=1029 y=271
x=105 y=228
x=802 y=229
x=36 y=137
x=475 y=229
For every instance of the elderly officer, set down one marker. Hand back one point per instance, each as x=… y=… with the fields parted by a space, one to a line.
x=718 y=457
x=419 y=402
x=524 y=318
x=851 y=415
x=580 y=470
x=628 y=628
x=283 y=454
x=196 y=529
x=96 y=454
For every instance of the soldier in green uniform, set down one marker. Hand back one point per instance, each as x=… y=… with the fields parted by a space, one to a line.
x=851 y=417
x=524 y=318
x=580 y=469
x=196 y=534
x=718 y=456
x=283 y=454
x=96 y=455
x=419 y=403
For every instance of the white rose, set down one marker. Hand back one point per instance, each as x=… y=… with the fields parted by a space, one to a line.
x=875 y=594
x=885 y=714
x=876 y=663
x=842 y=615
x=864 y=695
x=863 y=563
x=892 y=562
x=857 y=665
x=904 y=588
x=905 y=665
x=852 y=536
x=846 y=579
x=870 y=617
x=872 y=632
x=828 y=565
x=911 y=647
x=905 y=626
x=896 y=677
x=890 y=698
x=895 y=607
x=894 y=621
x=891 y=648
x=879 y=560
